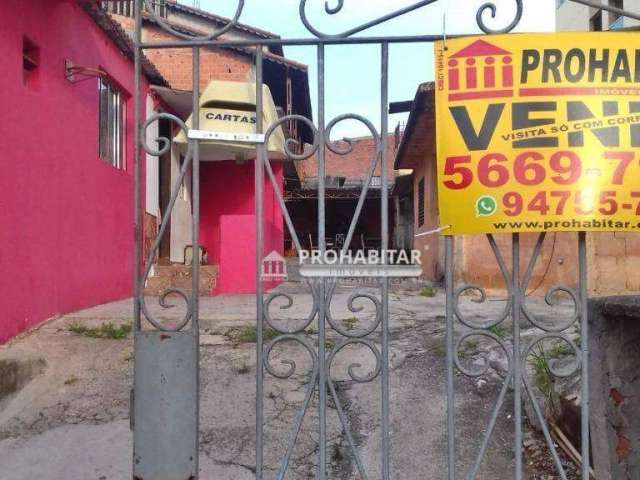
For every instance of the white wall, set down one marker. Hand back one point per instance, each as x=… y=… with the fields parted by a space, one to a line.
x=632 y=6
x=152 y=202
x=181 y=215
x=572 y=17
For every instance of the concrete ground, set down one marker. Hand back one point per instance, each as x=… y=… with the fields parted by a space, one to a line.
x=70 y=422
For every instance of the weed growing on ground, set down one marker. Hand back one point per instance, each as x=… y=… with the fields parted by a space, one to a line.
x=471 y=344
x=350 y=323
x=106 y=330
x=560 y=350
x=467 y=348
x=542 y=373
x=440 y=349
x=71 y=380
x=428 y=292
x=499 y=331
x=250 y=335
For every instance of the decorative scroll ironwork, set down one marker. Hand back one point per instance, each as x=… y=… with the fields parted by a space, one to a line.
x=297 y=333
x=487 y=8
x=165 y=146
x=322 y=291
x=178 y=33
x=517 y=355
x=365 y=26
x=491 y=7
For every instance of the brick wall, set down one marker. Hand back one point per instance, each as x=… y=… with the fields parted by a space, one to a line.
x=557 y=264
x=614 y=263
x=613 y=258
x=175 y=64
x=215 y=63
x=430 y=246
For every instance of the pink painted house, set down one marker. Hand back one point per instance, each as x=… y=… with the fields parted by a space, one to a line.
x=66 y=175
x=227 y=230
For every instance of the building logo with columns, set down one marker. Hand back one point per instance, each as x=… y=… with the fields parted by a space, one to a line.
x=274 y=267
x=480 y=71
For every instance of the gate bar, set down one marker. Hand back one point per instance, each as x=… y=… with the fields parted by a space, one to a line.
x=195 y=245
x=449 y=287
x=322 y=356
x=384 y=127
x=137 y=211
x=584 y=346
x=298 y=42
x=259 y=206
x=517 y=378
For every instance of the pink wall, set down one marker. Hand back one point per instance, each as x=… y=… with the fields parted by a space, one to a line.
x=237 y=267
x=66 y=235
x=227 y=222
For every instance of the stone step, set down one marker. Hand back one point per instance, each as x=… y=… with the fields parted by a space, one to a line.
x=179 y=276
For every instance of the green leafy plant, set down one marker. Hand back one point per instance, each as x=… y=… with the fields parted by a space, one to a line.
x=543 y=376
x=559 y=350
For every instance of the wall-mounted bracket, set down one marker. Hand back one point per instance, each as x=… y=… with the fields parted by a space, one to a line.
x=77 y=73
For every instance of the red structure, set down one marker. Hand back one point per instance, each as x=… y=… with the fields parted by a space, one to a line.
x=66 y=237
x=228 y=223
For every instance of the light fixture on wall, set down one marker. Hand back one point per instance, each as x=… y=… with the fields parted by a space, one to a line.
x=78 y=73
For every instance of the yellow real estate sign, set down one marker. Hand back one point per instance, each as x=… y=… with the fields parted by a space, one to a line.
x=539 y=132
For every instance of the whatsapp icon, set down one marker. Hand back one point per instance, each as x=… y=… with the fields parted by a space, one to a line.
x=486 y=206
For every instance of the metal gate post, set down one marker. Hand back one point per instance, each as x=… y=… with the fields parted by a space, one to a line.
x=165 y=410
x=517 y=361
x=449 y=267
x=584 y=345
x=259 y=206
x=384 y=180
x=321 y=283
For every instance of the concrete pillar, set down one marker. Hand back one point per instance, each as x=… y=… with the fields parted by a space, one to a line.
x=615 y=389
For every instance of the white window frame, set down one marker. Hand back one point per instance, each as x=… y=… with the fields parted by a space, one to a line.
x=111 y=124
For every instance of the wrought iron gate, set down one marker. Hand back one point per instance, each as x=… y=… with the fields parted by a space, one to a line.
x=165 y=410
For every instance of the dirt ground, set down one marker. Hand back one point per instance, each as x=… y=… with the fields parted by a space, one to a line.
x=71 y=421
